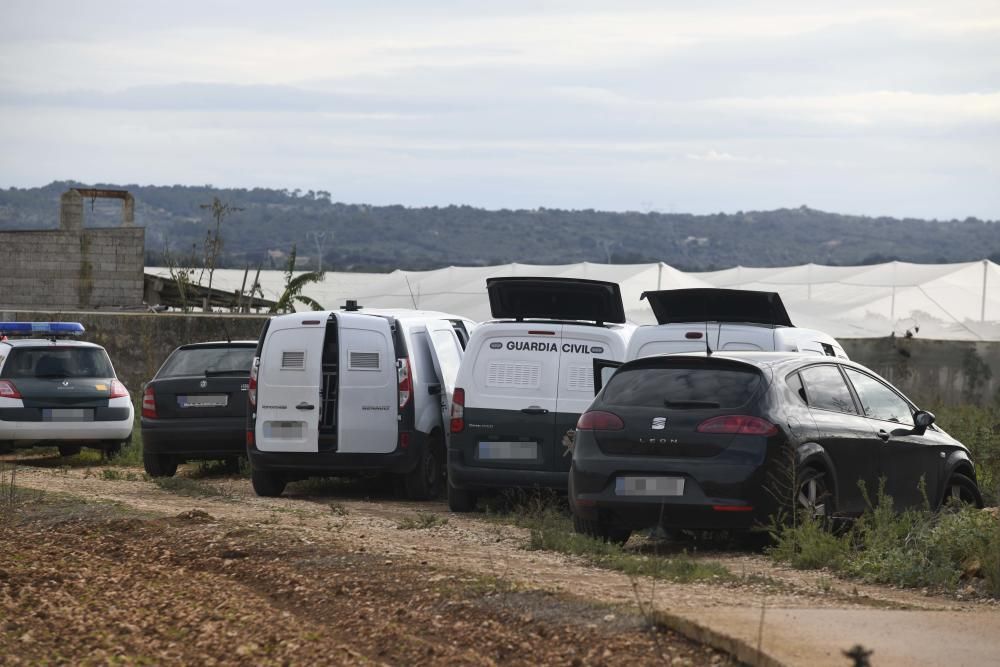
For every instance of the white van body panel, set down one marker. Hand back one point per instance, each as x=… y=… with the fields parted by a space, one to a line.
x=446 y=355
x=579 y=346
x=674 y=338
x=367 y=408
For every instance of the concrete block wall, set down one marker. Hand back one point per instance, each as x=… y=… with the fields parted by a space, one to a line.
x=72 y=268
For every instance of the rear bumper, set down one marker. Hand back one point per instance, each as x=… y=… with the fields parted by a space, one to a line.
x=319 y=464
x=208 y=438
x=462 y=476
x=27 y=433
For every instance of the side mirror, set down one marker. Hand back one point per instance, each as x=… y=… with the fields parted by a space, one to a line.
x=922 y=419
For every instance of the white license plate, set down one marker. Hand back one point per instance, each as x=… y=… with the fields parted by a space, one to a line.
x=284 y=430
x=508 y=451
x=649 y=486
x=67 y=415
x=203 y=401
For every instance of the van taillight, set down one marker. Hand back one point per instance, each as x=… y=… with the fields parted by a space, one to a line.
x=8 y=390
x=252 y=385
x=405 y=385
x=737 y=425
x=118 y=390
x=149 y=403
x=458 y=410
x=599 y=420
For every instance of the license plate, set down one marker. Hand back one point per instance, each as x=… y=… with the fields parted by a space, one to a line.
x=203 y=401
x=649 y=486
x=67 y=415
x=284 y=430
x=508 y=451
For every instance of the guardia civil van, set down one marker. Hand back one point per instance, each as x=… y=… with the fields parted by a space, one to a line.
x=525 y=378
x=355 y=390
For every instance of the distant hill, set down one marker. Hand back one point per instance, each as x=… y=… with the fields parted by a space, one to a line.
x=376 y=238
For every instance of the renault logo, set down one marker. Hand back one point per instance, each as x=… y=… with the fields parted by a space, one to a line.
x=203 y=384
x=659 y=423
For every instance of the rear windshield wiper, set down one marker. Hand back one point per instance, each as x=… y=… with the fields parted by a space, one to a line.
x=231 y=371
x=691 y=404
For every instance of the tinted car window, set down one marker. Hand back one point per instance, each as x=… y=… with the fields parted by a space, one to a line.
x=826 y=389
x=795 y=382
x=681 y=387
x=199 y=361
x=878 y=401
x=58 y=362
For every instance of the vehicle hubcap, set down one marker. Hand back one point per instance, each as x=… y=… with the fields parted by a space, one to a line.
x=811 y=498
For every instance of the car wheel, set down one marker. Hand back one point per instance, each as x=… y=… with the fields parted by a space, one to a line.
x=962 y=490
x=601 y=531
x=267 y=484
x=460 y=500
x=814 y=499
x=231 y=464
x=158 y=465
x=69 y=450
x=424 y=481
x=112 y=449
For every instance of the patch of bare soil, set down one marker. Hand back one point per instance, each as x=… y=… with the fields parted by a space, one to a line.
x=98 y=584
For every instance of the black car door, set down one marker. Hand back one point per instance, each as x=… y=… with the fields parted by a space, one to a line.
x=846 y=436
x=905 y=456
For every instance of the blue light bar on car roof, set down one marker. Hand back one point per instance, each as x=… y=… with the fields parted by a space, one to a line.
x=41 y=329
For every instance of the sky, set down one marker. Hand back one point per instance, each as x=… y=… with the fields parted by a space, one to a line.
x=876 y=107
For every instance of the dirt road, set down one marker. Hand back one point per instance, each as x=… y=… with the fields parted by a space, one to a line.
x=808 y=618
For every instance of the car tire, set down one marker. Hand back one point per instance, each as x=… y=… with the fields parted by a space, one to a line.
x=601 y=531
x=814 y=497
x=962 y=489
x=69 y=450
x=424 y=481
x=267 y=484
x=158 y=465
x=231 y=464
x=461 y=500
x=112 y=449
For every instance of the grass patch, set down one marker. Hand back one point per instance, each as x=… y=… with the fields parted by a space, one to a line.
x=130 y=455
x=421 y=522
x=186 y=486
x=115 y=475
x=915 y=548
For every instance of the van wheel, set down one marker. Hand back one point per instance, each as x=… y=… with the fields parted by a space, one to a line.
x=424 y=481
x=267 y=484
x=69 y=450
x=461 y=500
x=601 y=531
x=158 y=465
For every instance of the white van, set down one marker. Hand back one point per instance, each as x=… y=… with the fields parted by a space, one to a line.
x=524 y=380
x=335 y=392
x=694 y=320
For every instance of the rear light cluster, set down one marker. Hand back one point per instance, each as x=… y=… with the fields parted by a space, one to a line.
x=598 y=420
x=8 y=390
x=405 y=384
x=252 y=385
x=458 y=410
x=737 y=425
x=118 y=390
x=149 y=403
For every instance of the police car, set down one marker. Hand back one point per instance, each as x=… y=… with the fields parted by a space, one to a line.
x=58 y=391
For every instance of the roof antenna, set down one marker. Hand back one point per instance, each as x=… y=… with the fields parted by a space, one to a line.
x=708 y=348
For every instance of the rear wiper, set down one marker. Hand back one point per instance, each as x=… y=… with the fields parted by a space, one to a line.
x=231 y=371
x=691 y=404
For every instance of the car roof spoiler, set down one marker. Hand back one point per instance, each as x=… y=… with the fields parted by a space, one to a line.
x=717 y=305
x=556 y=299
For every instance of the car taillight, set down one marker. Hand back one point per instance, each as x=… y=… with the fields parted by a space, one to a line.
x=458 y=410
x=149 y=403
x=8 y=390
x=737 y=425
x=598 y=420
x=405 y=386
x=118 y=390
x=252 y=385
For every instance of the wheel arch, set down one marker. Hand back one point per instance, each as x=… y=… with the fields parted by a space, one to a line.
x=813 y=455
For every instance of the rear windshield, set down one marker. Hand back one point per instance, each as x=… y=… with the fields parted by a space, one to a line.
x=58 y=362
x=682 y=387
x=205 y=361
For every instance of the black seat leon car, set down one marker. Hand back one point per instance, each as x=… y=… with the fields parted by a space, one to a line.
x=195 y=407
x=719 y=441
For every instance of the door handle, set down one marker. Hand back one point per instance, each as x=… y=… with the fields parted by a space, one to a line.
x=304 y=406
x=534 y=410
x=883 y=435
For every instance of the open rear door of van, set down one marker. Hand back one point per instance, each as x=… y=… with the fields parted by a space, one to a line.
x=368 y=389
x=446 y=351
x=521 y=298
x=706 y=304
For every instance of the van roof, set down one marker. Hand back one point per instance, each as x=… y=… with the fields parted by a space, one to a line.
x=557 y=299
x=701 y=304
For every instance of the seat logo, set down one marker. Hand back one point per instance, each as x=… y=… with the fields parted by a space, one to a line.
x=65 y=383
x=659 y=423
x=203 y=384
